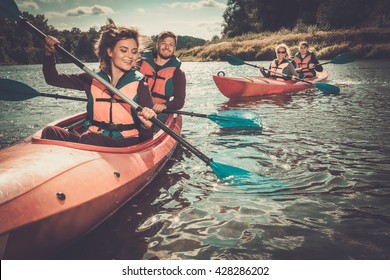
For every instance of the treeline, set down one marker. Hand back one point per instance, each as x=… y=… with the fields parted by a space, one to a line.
x=19 y=46
x=256 y=16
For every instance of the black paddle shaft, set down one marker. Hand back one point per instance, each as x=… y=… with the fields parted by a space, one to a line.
x=192 y=114
x=58 y=96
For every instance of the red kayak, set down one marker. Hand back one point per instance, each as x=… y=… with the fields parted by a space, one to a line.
x=53 y=192
x=239 y=87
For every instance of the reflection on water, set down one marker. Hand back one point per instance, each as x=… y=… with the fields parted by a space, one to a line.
x=273 y=99
x=330 y=155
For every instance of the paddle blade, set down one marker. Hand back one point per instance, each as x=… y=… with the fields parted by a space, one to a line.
x=9 y=9
x=11 y=90
x=239 y=177
x=327 y=88
x=343 y=58
x=234 y=60
x=237 y=119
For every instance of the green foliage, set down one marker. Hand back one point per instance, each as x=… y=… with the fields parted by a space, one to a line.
x=18 y=46
x=246 y=16
x=184 y=42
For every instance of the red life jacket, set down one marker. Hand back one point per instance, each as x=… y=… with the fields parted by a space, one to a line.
x=159 y=81
x=110 y=115
x=304 y=63
x=276 y=67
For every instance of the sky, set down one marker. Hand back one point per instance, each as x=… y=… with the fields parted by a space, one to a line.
x=197 y=18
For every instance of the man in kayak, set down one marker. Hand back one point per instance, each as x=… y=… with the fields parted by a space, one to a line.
x=305 y=62
x=110 y=121
x=166 y=80
x=280 y=68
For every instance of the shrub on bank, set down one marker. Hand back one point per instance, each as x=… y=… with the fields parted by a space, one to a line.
x=364 y=43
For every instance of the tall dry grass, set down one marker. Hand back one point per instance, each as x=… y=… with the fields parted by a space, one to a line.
x=364 y=43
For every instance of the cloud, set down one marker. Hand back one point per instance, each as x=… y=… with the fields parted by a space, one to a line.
x=197 y=5
x=50 y=15
x=141 y=10
x=81 y=11
x=29 y=5
x=209 y=28
x=94 y=10
x=52 y=1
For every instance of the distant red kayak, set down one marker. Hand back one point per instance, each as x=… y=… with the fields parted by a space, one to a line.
x=52 y=192
x=236 y=87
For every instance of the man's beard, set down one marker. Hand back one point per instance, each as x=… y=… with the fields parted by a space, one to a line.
x=164 y=56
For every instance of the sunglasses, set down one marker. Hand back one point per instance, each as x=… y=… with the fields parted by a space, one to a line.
x=281 y=52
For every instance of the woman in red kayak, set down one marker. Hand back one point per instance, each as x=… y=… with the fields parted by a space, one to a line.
x=110 y=121
x=280 y=68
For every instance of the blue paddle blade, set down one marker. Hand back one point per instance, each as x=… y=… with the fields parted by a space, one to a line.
x=343 y=58
x=327 y=88
x=11 y=90
x=9 y=10
x=239 y=177
x=237 y=119
x=233 y=60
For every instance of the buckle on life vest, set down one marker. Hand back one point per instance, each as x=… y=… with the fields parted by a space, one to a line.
x=113 y=127
x=161 y=96
x=154 y=76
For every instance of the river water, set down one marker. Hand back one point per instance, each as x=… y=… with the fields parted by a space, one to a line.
x=332 y=151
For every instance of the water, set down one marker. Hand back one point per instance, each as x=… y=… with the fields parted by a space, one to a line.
x=331 y=151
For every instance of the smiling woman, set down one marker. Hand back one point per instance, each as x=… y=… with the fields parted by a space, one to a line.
x=109 y=121
x=280 y=68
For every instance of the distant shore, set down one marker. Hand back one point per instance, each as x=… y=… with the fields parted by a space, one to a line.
x=364 y=43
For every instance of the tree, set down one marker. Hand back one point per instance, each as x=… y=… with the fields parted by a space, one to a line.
x=343 y=14
x=380 y=14
x=183 y=42
x=246 y=16
x=235 y=17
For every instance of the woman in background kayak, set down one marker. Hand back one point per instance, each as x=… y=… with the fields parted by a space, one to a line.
x=280 y=68
x=305 y=62
x=110 y=121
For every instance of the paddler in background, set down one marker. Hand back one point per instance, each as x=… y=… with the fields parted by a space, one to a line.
x=281 y=67
x=305 y=62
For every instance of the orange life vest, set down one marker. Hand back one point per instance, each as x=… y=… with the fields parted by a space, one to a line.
x=110 y=115
x=304 y=63
x=278 y=68
x=159 y=81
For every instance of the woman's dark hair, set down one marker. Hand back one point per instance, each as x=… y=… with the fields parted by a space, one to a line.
x=110 y=35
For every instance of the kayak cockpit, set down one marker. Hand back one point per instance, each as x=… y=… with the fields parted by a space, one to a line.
x=76 y=122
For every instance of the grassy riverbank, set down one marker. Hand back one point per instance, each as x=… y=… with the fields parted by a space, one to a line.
x=364 y=43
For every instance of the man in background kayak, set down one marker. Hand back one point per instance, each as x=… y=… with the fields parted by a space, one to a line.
x=305 y=62
x=166 y=80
